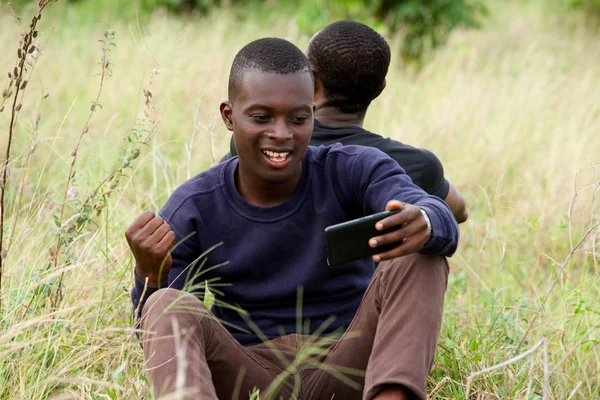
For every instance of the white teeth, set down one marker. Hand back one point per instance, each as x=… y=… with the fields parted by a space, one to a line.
x=276 y=154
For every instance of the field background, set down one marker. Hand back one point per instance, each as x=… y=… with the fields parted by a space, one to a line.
x=511 y=109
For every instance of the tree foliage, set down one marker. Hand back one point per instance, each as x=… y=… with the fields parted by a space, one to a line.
x=592 y=5
x=424 y=24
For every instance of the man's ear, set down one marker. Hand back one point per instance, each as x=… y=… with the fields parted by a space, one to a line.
x=382 y=87
x=319 y=90
x=318 y=85
x=226 y=114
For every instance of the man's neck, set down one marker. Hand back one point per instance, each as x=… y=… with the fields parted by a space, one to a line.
x=332 y=116
x=264 y=194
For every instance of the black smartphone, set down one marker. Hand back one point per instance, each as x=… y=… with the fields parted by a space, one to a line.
x=349 y=240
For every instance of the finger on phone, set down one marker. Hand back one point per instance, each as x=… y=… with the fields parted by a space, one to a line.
x=411 y=245
x=414 y=227
x=392 y=237
x=399 y=251
x=399 y=219
x=394 y=205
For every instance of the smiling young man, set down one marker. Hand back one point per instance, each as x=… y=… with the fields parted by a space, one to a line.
x=254 y=228
x=350 y=62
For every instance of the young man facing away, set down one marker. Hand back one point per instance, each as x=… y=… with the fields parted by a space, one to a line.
x=268 y=209
x=350 y=62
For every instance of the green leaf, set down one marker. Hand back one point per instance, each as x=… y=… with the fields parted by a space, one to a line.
x=117 y=374
x=209 y=297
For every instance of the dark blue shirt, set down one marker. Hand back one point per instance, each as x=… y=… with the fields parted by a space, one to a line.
x=256 y=258
x=424 y=168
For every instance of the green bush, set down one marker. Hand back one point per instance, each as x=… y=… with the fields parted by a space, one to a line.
x=424 y=24
x=593 y=5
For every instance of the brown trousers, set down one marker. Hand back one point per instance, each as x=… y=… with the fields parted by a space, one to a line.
x=391 y=341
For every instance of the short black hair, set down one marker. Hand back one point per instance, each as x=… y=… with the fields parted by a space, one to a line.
x=267 y=55
x=352 y=61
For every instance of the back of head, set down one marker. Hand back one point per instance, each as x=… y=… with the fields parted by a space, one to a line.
x=267 y=55
x=352 y=61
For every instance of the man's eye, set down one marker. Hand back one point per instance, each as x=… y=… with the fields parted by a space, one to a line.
x=260 y=117
x=298 y=120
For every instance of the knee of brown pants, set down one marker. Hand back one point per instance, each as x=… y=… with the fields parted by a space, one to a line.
x=410 y=296
x=434 y=269
x=165 y=302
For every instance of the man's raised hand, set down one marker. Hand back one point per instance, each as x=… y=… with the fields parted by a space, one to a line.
x=150 y=238
x=412 y=236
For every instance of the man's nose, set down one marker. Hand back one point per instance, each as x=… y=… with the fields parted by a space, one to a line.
x=280 y=131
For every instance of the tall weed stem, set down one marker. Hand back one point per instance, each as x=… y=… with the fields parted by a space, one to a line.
x=105 y=68
x=16 y=77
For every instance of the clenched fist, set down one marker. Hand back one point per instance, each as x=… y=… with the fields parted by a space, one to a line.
x=150 y=239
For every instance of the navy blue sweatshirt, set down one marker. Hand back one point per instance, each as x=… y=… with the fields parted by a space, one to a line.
x=257 y=257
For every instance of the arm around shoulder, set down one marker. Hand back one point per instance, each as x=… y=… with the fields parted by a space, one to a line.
x=434 y=182
x=378 y=179
x=456 y=202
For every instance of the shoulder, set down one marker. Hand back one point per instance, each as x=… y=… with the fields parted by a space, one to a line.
x=405 y=155
x=337 y=153
x=433 y=180
x=431 y=162
x=205 y=184
x=349 y=163
x=344 y=151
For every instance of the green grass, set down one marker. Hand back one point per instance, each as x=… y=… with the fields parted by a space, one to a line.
x=511 y=110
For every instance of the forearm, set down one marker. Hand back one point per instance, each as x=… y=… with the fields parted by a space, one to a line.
x=444 y=229
x=380 y=180
x=143 y=288
x=456 y=202
x=145 y=285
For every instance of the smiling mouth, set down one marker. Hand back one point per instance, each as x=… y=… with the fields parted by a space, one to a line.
x=276 y=156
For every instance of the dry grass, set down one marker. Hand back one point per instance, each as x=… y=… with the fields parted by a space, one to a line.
x=511 y=110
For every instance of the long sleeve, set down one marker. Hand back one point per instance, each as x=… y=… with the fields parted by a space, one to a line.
x=378 y=179
x=184 y=254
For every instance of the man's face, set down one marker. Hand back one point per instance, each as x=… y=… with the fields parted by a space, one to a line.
x=272 y=120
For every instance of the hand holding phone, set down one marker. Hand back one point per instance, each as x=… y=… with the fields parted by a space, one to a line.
x=349 y=240
x=400 y=230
